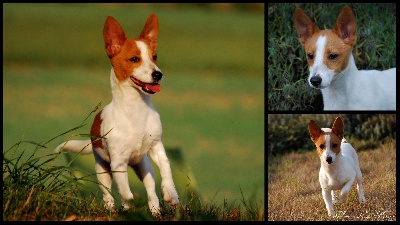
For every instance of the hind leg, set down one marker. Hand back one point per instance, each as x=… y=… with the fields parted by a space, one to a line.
x=361 y=197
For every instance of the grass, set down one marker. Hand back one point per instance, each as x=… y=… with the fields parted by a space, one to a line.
x=37 y=189
x=287 y=65
x=294 y=192
x=211 y=101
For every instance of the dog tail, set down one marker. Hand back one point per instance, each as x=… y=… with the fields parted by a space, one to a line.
x=76 y=146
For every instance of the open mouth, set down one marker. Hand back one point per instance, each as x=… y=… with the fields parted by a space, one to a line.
x=146 y=87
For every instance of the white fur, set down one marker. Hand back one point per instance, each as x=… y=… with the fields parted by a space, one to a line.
x=340 y=175
x=354 y=89
x=319 y=67
x=143 y=73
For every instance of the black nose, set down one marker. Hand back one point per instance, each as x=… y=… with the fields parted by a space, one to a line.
x=316 y=80
x=157 y=75
x=329 y=159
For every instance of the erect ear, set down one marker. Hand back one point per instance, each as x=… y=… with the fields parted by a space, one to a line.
x=304 y=26
x=314 y=129
x=114 y=37
x=338 y=128
x=346 y=26
x=150 y=31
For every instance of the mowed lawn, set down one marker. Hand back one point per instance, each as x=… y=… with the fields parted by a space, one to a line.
x=212 y=96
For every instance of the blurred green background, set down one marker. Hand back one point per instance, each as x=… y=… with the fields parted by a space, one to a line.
x=55 y=71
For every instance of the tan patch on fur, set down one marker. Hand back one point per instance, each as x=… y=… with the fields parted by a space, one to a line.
x=335 y=45
x=96 y=130
x=123 y=66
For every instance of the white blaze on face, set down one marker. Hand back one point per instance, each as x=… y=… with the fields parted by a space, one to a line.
x=319 y=68
x=147 y=67
x=319 y=54
x=328 y=151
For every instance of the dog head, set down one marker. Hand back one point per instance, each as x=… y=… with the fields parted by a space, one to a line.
x=134 y=61
x=327 y=141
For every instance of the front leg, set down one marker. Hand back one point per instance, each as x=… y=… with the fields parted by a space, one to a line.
x=119 y=171
x=326 y=194
x=145 y=172
x=157 y=153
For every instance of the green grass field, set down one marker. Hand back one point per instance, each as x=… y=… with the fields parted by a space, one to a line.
x=212 y=96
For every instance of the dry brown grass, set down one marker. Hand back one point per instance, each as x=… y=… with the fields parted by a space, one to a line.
x=294 y=192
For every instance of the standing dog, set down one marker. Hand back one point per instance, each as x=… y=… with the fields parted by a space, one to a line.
x=332 y=67
x=339 y=163
x=130 y=124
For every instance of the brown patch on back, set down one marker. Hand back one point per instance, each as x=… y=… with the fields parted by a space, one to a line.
x=96 y=130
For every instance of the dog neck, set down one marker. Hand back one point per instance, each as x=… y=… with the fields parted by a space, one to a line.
x=336 y=94
x=125 y=95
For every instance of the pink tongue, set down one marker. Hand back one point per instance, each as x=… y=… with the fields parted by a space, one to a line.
x=153 y=87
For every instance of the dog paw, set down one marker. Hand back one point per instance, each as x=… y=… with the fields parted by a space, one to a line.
x=154 y=204
x=170 y=194
x=155 y=208
x=127 y=203
x=332 y=214
x=109 y=203
x=126 y=206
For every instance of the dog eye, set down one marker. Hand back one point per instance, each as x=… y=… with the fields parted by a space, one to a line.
x=334 y=145
x=155 y=57
x=333 y=56
x=134 y=59
x=310 y=56
x=322 y=146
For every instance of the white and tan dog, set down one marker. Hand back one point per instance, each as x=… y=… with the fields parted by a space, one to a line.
x=130 y=124
x=334 y=72
x=339 y=163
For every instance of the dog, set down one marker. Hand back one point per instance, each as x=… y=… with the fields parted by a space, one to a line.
x=130 y=125
x=339 y=163
x=334 y=72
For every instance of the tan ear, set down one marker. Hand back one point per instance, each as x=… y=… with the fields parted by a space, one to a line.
x=114 y=37
x=150 y=31
x=338 y=128
x=314 y=129
x=346 y=26
x=304 y=26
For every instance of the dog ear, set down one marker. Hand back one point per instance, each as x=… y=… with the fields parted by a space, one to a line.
x=346 y=26
x=314 y=129
x=304 y=26
x=150 y=31
x=338 y=128
x=114 y=37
